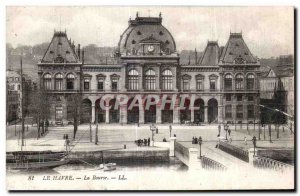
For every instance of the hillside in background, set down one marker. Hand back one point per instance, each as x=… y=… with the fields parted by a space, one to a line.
x=103 y=55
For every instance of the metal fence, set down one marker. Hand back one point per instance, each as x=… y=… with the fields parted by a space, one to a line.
x=210 y=164
x=267 y=163
x=235 y=151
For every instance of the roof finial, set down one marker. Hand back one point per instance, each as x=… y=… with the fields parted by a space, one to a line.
x=160 y=14
x=137 y=14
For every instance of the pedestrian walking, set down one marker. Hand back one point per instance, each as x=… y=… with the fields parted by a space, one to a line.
x=148 y=141
x=219 y=129
x=196 y=140
x=245 y=140
x=229 y=131
x=145 y=142
x=193 y=140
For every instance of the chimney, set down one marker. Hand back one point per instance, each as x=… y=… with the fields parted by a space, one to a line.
x=78 y=51
x=82 y=56
x=196 y=56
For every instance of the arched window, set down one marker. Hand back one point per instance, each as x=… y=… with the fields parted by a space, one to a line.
x=70 y=81
x=228 y=82
x=250 y=81
x=133 y=80
x=167 y=80
x=47 y=82
x=239 y=81
x=58 y=81
x=150 y=80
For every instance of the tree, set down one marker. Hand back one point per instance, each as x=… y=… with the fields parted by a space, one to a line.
x=73 y=110
x=39 y=109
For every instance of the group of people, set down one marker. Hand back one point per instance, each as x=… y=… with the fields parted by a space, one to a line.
x=143 y=142
x=195 y=140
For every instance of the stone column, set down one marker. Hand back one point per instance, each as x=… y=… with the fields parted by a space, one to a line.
x=123 y=114
x=158 y=114
x=93 y=112
x=107 y=113
x=220 y=113
x=172 y=146
x=192 y=115
x=176 y=111
x=205 y=114
x=141 y=116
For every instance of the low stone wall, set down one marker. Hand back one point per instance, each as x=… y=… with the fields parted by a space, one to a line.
x=140 y=155
x=282 y=155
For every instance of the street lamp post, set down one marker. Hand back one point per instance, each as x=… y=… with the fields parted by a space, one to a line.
x=200 y=143
x=152 y=129
x=170 y=127
x=254 y=143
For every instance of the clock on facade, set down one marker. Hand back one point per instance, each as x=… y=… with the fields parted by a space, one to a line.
x=151 y=48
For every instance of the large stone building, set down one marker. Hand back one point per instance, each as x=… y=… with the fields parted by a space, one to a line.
x=277 y=90
x=222 y=87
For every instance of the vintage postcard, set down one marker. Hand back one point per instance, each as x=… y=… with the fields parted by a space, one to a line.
x=150 y=98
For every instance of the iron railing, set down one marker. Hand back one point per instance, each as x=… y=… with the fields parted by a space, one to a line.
x=210 y=164
x=267 y=163
x=235 y=151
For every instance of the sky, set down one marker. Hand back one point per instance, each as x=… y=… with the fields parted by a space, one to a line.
x=268 y=31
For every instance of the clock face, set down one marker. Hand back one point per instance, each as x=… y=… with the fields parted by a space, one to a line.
x=151 y=48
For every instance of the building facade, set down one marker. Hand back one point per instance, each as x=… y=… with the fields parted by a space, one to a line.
x=277 y=91
x=222 y=87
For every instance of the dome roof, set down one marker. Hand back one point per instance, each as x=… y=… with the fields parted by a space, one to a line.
x=145 y=29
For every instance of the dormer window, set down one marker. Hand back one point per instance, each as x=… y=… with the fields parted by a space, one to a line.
x=133 y=42
x=139 y=33
x=67 y=52
x=51 y=52
x=167 y=42
x=60 y=43
x=161 y=33
x=230 y=53
x=237 y=45
x=246 y=53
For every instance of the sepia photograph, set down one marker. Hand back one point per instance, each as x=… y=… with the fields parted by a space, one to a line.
x=150 y=98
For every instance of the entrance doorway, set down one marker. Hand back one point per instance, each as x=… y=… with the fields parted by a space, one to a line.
x=199 y=114
x=132 y=114
x=212 y=111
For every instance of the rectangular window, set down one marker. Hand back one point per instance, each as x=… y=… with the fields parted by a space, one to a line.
x=199 y=84
x=250 y=109
x=58 y=113
x=228 y=111
x=212 y=84
x=250 y=98
x=86 y=84
x=114 y=85
x=228 y=97
x=186 y=85
x=100 y=85
x=239 y=97
x=239 y=111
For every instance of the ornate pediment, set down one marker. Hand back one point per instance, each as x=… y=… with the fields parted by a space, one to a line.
x=186 y=77
x=199 y=76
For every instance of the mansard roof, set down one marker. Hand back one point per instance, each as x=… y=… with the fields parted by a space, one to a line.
x=211 y=54
x=60 y=50
x=236 y=48
x=142 y=28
